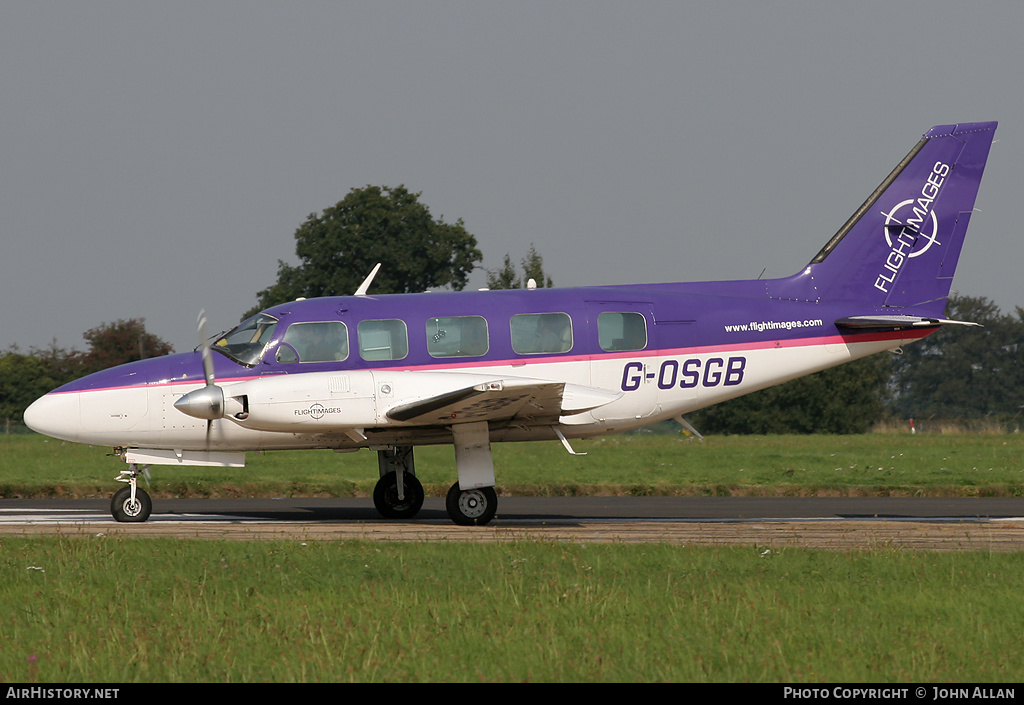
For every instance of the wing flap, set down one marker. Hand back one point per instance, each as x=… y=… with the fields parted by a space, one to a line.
x=521 y=400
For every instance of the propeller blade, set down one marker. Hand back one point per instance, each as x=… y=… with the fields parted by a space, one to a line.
x=204 y=345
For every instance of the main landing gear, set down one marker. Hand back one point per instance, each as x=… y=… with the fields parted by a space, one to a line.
x=399 y=495
x=473 y=507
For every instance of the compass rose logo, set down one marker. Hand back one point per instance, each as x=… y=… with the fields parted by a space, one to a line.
x=318 y=411
x=894 y=223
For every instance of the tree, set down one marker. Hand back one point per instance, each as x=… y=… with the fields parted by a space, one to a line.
x=849 y=398
x=964 y=372
x=507 y=278
x=23 y=379
x=112 y=344
x=385 y=224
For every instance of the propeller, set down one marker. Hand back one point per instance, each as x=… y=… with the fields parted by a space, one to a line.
x=207 y=402
x=204 y=345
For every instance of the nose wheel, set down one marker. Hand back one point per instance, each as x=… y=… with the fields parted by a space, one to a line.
x=131 y=503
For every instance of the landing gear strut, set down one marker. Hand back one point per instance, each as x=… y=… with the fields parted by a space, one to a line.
x=398 y=494
x=475 y=506
x=131 y=503
x=393 y=503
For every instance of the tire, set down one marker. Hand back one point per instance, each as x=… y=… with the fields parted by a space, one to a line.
x=385 y=496
x=122 y=509
x=474 y=507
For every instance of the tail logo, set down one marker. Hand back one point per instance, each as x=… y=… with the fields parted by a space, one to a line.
x=911 y=232
x=892 y=222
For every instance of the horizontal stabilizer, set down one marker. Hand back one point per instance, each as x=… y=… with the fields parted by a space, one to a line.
x=898 y=322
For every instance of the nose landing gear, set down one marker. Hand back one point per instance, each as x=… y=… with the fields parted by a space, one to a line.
x=131 y=503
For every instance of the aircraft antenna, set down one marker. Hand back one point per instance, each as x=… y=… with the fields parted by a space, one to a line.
x=361 y=291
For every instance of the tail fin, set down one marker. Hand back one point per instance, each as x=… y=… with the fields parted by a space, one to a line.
x=900 y=248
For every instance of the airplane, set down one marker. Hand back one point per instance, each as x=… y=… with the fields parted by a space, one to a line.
x=391 y=372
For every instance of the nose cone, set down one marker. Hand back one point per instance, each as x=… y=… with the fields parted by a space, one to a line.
x=55 y=415
x=112 y=407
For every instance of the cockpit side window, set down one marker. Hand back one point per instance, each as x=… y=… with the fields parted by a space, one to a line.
x=314 y=342
x=385 y=339
x=535 y=333
x=621 y=331
x=459 y=336
x=246 y=342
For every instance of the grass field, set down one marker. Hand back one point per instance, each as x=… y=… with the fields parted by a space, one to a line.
x=873 y=464
x=91 y=609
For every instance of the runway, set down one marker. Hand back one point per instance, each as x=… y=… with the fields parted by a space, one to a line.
x=988 y=524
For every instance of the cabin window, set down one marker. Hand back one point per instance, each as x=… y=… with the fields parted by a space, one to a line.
x=314 y=342
x=459 y=336
x=385 y=339
x=534 y=333
x=246 y=342
x=621 y=331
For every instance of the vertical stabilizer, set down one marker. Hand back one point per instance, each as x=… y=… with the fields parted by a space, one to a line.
x=900 y=248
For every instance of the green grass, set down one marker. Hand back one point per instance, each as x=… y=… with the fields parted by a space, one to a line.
x=91 y=609
x=873 y=464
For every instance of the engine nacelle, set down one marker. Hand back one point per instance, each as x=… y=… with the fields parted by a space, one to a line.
x=305 y=403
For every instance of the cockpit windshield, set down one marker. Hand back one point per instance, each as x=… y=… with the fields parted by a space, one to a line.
x=246 y=342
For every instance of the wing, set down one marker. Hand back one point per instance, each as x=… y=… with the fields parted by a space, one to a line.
x=527 y=401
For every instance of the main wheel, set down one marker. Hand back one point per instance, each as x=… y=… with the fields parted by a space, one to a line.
x=385 y=496
x=473 y=507
x=123 y=509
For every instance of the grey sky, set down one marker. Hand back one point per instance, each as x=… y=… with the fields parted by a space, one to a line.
x=158 y=157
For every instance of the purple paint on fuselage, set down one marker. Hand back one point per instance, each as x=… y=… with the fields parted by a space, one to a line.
x=679 y=321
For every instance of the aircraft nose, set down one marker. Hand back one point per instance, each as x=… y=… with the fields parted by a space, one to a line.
x=55 y=415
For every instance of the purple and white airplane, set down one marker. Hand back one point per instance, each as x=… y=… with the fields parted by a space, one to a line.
x=474 y=368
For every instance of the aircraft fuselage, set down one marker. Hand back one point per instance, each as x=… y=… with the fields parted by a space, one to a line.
x=688 y=351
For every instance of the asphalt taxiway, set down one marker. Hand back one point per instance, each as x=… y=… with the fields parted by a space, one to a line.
x=769 y=522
